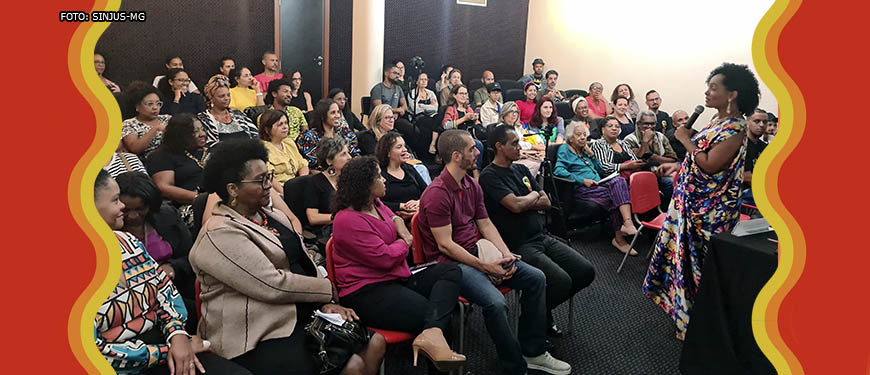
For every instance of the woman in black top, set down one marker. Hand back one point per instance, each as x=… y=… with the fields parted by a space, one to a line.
x=404 y=184
x=176 y=166
x=300 y=99
x=381 y=121
x=174 y=87
x=332 y=155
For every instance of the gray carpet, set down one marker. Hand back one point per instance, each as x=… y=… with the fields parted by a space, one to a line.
x=616 y=330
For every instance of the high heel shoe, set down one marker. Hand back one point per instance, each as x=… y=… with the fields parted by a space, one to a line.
x=431 y=341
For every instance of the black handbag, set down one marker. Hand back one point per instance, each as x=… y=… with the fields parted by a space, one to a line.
x=336 y=344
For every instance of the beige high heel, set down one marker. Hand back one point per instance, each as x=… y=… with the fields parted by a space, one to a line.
x=431 y=341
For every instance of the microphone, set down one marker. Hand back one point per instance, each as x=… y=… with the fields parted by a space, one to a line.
x=694 y=117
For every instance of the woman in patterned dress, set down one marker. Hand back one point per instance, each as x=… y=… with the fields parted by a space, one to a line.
x=705 y=200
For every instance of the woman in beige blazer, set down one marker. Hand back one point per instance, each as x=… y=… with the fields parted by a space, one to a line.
x=258 y=285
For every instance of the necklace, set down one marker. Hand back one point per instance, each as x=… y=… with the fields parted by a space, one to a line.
x=264 y=223
x=200 y=162
x=223 y=117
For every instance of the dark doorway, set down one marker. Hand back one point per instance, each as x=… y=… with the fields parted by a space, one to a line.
x=301 y=43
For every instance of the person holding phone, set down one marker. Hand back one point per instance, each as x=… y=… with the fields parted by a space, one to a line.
x=404 y=184
x=615 y=154
x=654 y=148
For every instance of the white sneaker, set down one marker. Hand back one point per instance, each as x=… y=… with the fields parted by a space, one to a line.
x=547 y=363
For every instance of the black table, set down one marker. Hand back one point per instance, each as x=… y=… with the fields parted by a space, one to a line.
x=719 y=339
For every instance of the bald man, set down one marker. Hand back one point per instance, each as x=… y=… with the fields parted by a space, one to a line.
x=482 y=95
x=680 y=118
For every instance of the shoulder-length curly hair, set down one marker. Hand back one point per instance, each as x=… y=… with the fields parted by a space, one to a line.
x=355 y=184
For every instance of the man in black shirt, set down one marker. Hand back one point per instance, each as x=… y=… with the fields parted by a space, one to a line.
x=754 y=146
x=663 y=119
x=513 y=199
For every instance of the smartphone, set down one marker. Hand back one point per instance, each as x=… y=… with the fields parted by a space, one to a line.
x=647 y=155
x=511 y=263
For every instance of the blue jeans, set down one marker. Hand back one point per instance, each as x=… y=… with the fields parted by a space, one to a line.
x=531 y=340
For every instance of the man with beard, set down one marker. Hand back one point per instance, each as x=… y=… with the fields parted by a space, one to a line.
x=681 y=118
x=653 y=102
x=537 y=75
x=755 y=128
x=280 y=94
x=271 y=72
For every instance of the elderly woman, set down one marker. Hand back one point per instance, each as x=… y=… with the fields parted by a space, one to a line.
x=259 y=288
x=598 y=106
x=381 y=121
x=576 y=161
x=142 y=134
x=246 y=92
x=615 y=154
x=527 y=105
x=325 y=124
x=348 y=119
x=332 y=155
x=174 y=87
x=285 y=161
x=404 y=184
x=545 y=115
x=624 y=90
x=706 y=195
x=149 y=339
x=372 y=277
x=219 y=121
x=177 y=165
x=100 y=67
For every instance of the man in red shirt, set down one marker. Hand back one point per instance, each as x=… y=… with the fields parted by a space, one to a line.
x=271 y=72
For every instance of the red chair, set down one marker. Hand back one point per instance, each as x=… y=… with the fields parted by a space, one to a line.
x=391 y=337
x=644 y=193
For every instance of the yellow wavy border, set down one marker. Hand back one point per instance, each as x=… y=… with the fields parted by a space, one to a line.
x=792 y=245
x=80 y=191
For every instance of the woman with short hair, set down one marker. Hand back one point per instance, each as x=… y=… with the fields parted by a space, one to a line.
x=598 y=106
x=285 y=161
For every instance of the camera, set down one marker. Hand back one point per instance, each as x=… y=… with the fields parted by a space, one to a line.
x=417 y=63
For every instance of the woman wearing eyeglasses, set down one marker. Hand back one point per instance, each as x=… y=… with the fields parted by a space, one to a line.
x=259 y=287
x=300 y=99
x=598 y=106
x=381 y=121
x=174 y=87
x=219 y=121
x=143 y=133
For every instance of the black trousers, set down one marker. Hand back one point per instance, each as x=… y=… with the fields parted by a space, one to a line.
x=424 y=300
x=281 y=356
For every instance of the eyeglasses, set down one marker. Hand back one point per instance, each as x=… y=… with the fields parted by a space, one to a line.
x=185 y=80
x=462 y=93
x=295 y=79
x=654 y=100
x=597 y=88
x=389 y=117
x=511 y=111
x=648 y=124
x=157 y=104
x=264 y=181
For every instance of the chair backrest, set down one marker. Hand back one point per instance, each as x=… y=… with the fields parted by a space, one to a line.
x=294 y=196
x=198 y=211
x=644 y=192
x=572 y=92
x=564 y=110
x=473 y=85
x=254 y=112
x=366 y=105
x=330 y=265
x=417 y=245
x=512 y=95
x=507 y=84
x=552 y=153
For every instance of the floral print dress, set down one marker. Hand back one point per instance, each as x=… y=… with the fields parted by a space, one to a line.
x=702 y=205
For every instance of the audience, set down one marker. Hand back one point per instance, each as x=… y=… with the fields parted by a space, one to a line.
x=681 y=118
x=537 y=74
x=100 y=67
x=615 y=154
x=325 y=124
x=620 y=112
x=271 y=70
x=514 y=201
x=598 y=107
x=527 y=105
x=403 y=183
x=577 y=162
x=332 y=155
x=624 y=90
x=381 y=121
x=279 y=97
x=175 y=62
x=348 y=119
x=228 y=64
x=149 y=339
x=422 y=100
x=400 y=81
x=285 y=161
x=176 y=166
x=220 y=121
x=491 y=107
x=142 y=134
x=299 y=98
x=173 y=87
x=653 y=102
x=454 y=78
x=755 y=128
x=546 y=117
x=549 y=90
x=482 y=94
x=371 y=244
x=259 y=287
x=246 y=92
x=454 y=226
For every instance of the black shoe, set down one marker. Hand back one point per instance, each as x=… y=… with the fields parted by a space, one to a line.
x=554 y=331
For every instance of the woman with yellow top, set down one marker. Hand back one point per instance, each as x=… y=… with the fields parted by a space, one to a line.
x=246 y=90
x=285 y=161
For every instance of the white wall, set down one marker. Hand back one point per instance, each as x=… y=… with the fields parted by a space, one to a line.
x=669 y=46
x=368 y=49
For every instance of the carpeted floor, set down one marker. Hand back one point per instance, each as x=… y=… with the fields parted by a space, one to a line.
x=616 y=330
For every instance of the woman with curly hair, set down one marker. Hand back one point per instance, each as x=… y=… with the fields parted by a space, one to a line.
x=371 y=275
x=174 y=87
x=706 y=195
x=143 y=133
x=220 y=121
x=259 y=287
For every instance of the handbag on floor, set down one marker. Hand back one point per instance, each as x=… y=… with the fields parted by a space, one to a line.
x=335 y=344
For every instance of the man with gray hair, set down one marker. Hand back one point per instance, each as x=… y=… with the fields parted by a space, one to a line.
x=681 y=118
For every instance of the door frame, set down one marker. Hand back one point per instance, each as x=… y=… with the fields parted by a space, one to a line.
x=324 y=84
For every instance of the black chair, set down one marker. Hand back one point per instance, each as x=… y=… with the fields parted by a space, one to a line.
x=294 y=196
x=366 y=107
x=564 y=109
x=254 y=112
x=572 y=92
x=569 y=215
x=512 y=95
x=507 y=84
x=198 y=211
x=473 y=86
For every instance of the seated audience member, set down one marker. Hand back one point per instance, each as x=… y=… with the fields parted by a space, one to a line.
x=653 y=148
x=404 y=184
x=142 y=134
x=100 y=67
x=620 y=112
x=271 y=70
x=285 y=161
x=771 y=128
x=527 y=105
x=381 y=121
x=227 y=65
x=615 y=154
x=372 y=277
x=246 y=92
x=219 y=121
x=173 y=87
x=279 y=98
x=481 y=95
x=332 y=156
x=549 y=89
x=755 y=128
x=491 y=107
x=681 y=118
x=458 y=114
x=348 y=119
x=299 y=98
x=581 y=114
x=445 y=75
x=513 y=200
x=388 y=92
x=453 y=79
x=624 y=90
x=259 y=287
x=175 y=62
x=123 y=162
x=545 y=116
x=537 y=75
x=598 y=106
x=533 y=151
x=176 y=166
x=452 y=218
x=421 y=100
x=401 y=79
x=137 y=341
x=653 y=102
x=577 y=162
x=325 y=124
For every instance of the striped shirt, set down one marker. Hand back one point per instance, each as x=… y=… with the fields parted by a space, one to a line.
x=117 y=166
x=604 y=153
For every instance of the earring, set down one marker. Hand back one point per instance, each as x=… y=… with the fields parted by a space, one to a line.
x=729 y=105
x=233 y=202
x=330 y=171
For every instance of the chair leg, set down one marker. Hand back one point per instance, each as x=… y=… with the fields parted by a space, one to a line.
x=630 y=247
x=461 y=333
